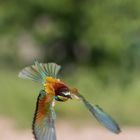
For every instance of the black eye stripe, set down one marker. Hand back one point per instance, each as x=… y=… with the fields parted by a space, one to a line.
x=62 y=91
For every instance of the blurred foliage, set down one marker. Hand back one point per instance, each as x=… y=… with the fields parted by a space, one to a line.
x=85 y=31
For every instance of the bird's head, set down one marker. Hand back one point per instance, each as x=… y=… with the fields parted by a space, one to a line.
x=58 y=89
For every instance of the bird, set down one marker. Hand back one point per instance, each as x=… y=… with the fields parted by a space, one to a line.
x=53 y=89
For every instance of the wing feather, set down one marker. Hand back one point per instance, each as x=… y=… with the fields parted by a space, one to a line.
x=43 y=122
x=101 y=116
x=39 y=71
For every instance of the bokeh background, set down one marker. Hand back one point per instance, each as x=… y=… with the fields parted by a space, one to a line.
x=98 y=45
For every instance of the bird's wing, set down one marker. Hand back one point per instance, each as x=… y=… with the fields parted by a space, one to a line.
x=101 y=116
x=43 y=123
x=39 y=71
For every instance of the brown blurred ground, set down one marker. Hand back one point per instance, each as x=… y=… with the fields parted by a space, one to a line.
x=66 y=131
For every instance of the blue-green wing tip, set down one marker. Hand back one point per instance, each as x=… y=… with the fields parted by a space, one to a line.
x=101 y=116
x=106 y=120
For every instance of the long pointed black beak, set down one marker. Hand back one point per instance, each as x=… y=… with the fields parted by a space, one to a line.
x=69 y=96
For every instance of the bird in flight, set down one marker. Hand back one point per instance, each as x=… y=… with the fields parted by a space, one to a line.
x=55 y=90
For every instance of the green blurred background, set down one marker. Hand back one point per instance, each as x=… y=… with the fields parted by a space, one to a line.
x=97 y=42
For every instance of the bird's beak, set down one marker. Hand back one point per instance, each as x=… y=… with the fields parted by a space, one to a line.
x=69 y=96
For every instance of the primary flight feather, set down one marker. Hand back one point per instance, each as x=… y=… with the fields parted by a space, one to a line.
x=55 y=90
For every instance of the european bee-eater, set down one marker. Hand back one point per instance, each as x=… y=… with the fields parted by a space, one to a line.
x=55 y=90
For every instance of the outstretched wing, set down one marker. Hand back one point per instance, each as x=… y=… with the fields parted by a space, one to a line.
x=43 y=123
x=101 y=116
x=39 y=71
